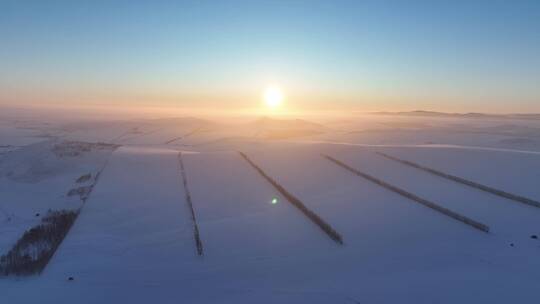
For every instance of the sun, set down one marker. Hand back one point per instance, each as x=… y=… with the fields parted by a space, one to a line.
x=273 y=97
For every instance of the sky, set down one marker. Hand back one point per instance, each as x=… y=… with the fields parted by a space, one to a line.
x=453 y=56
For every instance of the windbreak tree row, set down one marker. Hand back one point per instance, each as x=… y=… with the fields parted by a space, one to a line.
x=35 y=248
x=331 y=232
x=33 y=251
x=196 y=233
x=501 y=193
x=411 y=196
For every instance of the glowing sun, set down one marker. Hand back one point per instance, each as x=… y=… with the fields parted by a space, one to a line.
x=273 y=97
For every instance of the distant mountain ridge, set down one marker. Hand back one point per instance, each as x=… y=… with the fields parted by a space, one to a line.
x=534 y=116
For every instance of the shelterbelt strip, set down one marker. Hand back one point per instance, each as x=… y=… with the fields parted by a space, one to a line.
x=329 y=230
x=69 y=217
x=411 y=196
x=504 y=194
x=196 y=234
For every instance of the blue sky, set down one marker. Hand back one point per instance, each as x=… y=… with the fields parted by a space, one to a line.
x=369 y=55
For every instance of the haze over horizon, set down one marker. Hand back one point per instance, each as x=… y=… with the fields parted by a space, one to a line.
x=269 y=151
x=460 y=56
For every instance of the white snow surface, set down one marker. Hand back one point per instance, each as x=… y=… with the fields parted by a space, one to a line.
x=133 y=241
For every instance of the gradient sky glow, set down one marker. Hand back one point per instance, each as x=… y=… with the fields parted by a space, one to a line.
x=459 y=56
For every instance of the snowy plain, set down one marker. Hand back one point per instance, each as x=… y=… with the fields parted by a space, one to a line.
x=133 y=241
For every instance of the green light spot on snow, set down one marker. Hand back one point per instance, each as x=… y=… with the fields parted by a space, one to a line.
x=274 y=201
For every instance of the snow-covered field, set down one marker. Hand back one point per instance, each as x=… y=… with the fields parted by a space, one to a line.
x=133 y=241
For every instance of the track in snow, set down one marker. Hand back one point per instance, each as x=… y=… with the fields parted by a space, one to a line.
x=183 y=136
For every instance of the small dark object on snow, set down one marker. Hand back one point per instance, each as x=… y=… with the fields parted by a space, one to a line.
x=37 y=214
x=511 y=244
x=84 y=178
x=71 y=279
x=534 y=236
x=80 y=191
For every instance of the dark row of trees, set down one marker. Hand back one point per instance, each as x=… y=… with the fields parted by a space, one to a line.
x=412 y=196
x=507 y=195
x=36 y=247
x=196 y=234
x=329 y=230
x=76 y=148
x=84 y=178
x=82 y=191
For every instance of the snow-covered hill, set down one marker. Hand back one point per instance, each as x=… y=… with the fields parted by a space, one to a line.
x=133 y=240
